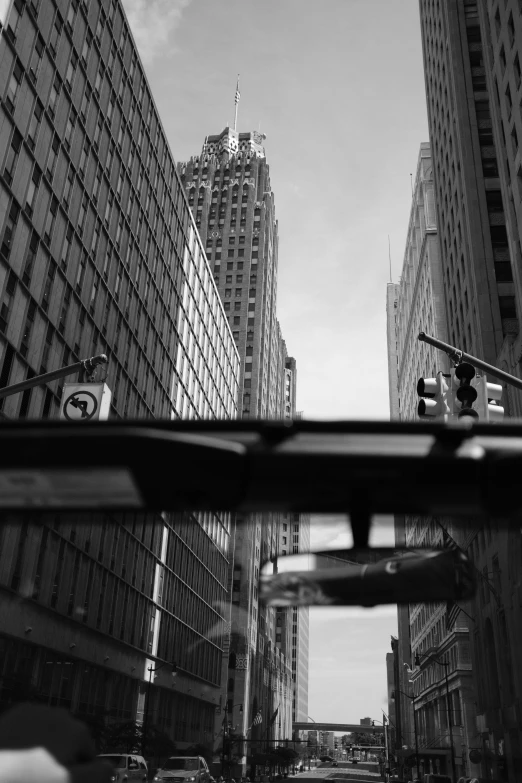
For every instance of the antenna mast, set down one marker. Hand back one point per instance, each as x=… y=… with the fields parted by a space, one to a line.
x=236 y=101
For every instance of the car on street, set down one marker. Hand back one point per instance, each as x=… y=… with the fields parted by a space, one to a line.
x=127 y=767
x=184 y=769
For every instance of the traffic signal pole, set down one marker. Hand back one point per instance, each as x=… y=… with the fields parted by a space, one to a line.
x=86 y=368
x=459 y=356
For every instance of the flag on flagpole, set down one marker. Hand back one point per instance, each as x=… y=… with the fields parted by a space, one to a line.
x=274 y=716
x=238 y=94
x=452 y=612
x=258 y=719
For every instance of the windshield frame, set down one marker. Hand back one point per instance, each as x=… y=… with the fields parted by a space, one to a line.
x=193 y=759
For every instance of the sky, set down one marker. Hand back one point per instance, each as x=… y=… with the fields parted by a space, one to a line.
x=337 y=86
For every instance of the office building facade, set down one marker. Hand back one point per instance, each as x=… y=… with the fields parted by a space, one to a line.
x=497 y=26
x=497 y=633
x=477 y=267
x=420 y=304
x=100 y=254
x=470 y=52
x=415 y=304
x=228 y=187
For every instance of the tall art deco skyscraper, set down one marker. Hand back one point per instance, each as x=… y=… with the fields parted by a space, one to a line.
x=228 y=186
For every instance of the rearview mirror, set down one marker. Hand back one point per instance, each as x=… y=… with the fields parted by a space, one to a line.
x=367 y=577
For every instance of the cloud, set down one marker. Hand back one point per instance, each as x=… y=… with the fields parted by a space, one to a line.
x=152 y=22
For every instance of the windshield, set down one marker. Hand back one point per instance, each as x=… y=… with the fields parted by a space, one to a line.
x=260 y=299
x=116 y=761
x=181 y=763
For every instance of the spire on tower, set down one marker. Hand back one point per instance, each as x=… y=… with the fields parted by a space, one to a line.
x=236 y=101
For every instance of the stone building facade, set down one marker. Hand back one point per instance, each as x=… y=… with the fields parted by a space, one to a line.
x=228 y=187
x=471 y=59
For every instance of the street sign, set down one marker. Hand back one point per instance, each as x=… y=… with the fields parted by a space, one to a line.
x=85 y=402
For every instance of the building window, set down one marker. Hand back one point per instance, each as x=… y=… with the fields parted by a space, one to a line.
x=81 y=215
x=46 y=294
x=9 y=229
x=34 y=125
x=507 y=307
x=86 y=48
x=30 y=259
x=71 y=15
x=51 y=219
x=14 y=85
x=69 y=128
x=53 y=96
x=86 y=99
x=67 y=247
x=69 y=182
x=71 y=70
x=32 y=190
x=36 y=59
x=15 y=16
x=55 y=34
x=12 y=156
x=84 y=157
x=53 y=157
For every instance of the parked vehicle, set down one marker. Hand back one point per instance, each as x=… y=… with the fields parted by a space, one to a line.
x=127 y=767
x=184 y=769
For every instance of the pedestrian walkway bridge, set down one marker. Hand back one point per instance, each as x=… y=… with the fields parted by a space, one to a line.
x=348 y=727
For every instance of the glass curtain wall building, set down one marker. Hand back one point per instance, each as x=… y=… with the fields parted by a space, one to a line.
x=99 y=253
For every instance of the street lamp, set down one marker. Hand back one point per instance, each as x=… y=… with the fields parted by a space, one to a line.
x=225 y=728
x=150 y=670
x=412 y=698
x=450 y=721
x=386 y=745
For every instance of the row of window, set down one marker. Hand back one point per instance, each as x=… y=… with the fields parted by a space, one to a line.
x=217 y=241
x=70 y=317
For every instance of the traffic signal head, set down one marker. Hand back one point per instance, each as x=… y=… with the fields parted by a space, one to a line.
x=464 y=393
x=433 y=404
x=489 y=396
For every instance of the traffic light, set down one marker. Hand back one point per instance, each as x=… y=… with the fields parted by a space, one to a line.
x=472 y=396
x=488 y=398
x=463 y=392
x=434 y=393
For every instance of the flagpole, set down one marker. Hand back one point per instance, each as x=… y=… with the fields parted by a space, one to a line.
x=236 y=100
